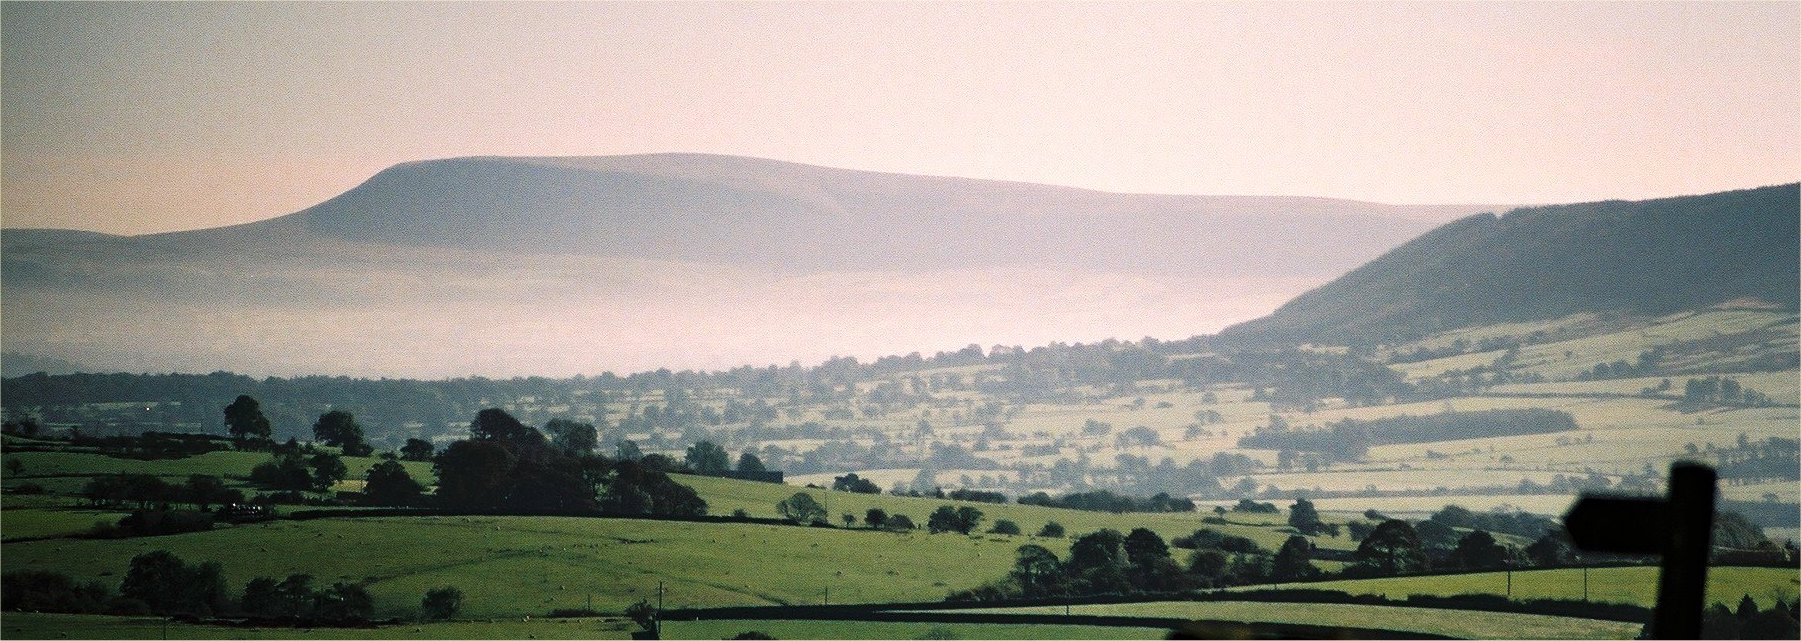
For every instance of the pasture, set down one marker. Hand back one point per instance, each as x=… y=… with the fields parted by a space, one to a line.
x=1466 y=624
x=1631 y=585
x=26 y=625
x=514 y=566
x=727 y=628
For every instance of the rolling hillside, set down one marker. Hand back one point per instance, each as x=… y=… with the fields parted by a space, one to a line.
x=1641 y=258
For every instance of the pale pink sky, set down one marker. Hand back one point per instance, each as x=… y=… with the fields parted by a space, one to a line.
x=134 y=118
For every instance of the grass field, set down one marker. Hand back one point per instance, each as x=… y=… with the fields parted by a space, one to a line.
x=45 y=467
x=1456 y=623
x=514 y=566
x=23 y=625
x=726 y=629
x=1633 y=585
x=759 y=499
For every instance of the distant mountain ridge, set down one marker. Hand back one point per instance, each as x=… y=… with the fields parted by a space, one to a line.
x=557 y=266
x=1643 y=257
x=750 y=211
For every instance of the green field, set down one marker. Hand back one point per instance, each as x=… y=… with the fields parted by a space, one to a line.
x=1455 y=623
x=725 y=629
x=514 y=566
x=759 y=499
x=24 y=625
x=1632 y=585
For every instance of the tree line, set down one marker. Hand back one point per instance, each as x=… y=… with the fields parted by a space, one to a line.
x=1352 y=438
x=158 y=582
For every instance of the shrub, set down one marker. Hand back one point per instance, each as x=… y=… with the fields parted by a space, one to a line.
x=42 y=591
x=441 y=603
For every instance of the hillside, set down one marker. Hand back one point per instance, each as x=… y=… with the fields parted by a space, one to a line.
x=582 y=265
x=1643 y=258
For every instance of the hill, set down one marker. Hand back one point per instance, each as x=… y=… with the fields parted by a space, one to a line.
x=580 y=265
x=1641 y=258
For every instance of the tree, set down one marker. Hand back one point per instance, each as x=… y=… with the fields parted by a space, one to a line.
x=327 y=470
x=338 y=428
x=1140 y=436
x=571 y=437
x=260 y=597
x=1142 y=545
x=441 y=603
x=168 y=586
x=1478 y=550
x=1550 y=549
x=1052 y=529
x=474 y=474
x=1294 y=561
x=1036 y=569
x=748 y=462
x=1097 y=562
x=14 y=466
x=1304 y=518
x=853 y=483
x=801 y=508
x=416 y=450
x=1004 y=526
x=205 y=490
x=244 y=420
x=943 y=519
x=287 y=471
x=1097 y=549
x=628 y=451
x=494 y=424
x=706 y=458
x=876 y=517
x=388 y=483
x=968 y=518
x=344 y=602
x=1393 y=547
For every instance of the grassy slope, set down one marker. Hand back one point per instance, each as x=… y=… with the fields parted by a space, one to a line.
x=1455 y=623
x=1636 y=585
x=529 y=565
x=725 y=629
x=22 y=625
x=759 y=499
x=49 y=626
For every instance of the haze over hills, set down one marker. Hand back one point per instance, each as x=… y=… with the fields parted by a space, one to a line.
x=505 y=266
x=1645 y=258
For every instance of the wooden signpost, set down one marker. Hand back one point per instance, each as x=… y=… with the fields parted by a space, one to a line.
x=1679 y=527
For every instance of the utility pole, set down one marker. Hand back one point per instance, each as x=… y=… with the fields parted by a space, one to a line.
x=1585 y=583
x=1509 y=579
x=828 y=595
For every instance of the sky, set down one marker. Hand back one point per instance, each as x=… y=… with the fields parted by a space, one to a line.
x=138 y=118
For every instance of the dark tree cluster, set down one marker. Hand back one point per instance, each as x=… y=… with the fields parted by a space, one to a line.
x=1105 y=501
x=853 y=483
x=961 y=520
x=145 y=491
x=1102 y=562
x=158 y=582
x=1351 y=438
x=1748 y=621
x=295 y=598
x=507 y=466
x=294 y=471
x=1723 y=391
x=978 y=496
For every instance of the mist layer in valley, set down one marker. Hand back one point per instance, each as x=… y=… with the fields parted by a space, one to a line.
x=503 y=267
